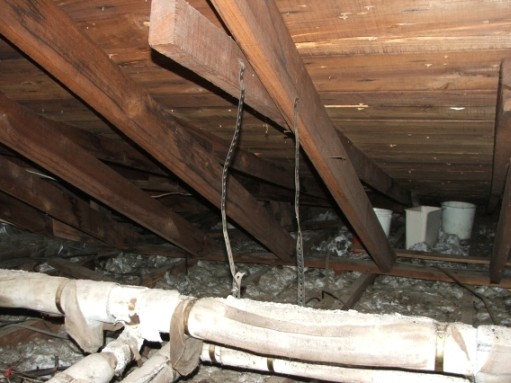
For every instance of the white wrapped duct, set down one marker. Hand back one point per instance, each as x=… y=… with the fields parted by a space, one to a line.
x=236 y=358
x=101 y=367
x=156 y=369
x=277 y=330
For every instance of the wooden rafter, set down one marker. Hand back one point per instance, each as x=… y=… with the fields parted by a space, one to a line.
x=30 y=136
x=502 y=245
x=24 y=216
x=46 y=33
x=122 y=153
x=54 y=201
x=174 y=24
x=502 y=145
x=108 y=149
x=261 y=33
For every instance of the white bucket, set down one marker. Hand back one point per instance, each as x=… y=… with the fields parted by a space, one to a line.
x=384 y=217
x=458 y=218
x=422 y=225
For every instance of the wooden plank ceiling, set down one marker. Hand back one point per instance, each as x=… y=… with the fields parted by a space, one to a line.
x=410 y=85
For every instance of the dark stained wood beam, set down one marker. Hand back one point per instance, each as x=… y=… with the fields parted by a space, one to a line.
x=502 y=244
x=63 y=230
x=24 y=216
x=119 y=152
x=30 y=136
x=45 y=33
x=54 y=201
x=112 y=150
x=77 y=271
x=502 y=146
x=261 y=33
x=243 y=161
x=174 y=24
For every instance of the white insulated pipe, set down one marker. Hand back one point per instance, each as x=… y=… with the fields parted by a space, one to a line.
x=241 y=359
x=106 y=302
x=279 y=330
x=156 y=369
x=101 y=367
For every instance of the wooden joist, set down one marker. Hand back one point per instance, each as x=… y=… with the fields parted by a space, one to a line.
x=175 y=24
x=54 y=201
x=122 y=153
x=111 y=150
x=502 y=245
x=23 y=216
x=502 y=141
x=30 y=136
x=261 y=33
x=49 y=36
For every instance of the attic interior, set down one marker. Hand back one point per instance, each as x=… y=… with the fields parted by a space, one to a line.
x=130 y=129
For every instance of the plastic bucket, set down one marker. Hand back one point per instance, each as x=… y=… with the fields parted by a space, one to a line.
x=458 y=218
x=384 y=217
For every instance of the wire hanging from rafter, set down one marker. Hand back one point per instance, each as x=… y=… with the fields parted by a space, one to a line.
x=300 y=272
x=236 y=276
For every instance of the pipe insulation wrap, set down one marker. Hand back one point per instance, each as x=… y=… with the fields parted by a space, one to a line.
x=316 y=335
x=156 y=369
x=125 y=347
x=237 y=358
x=21 y=295
x=94 y=368
x=279 y=331
x=151 y=308
x=155 y=308
x=93 y=298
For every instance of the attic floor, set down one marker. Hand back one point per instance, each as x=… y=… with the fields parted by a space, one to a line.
x=446 y=302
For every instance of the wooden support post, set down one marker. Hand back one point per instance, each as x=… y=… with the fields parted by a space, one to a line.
x=262 y=35
x=30 y=136
x=502 y=141
x=502 y=245
x=54 y=201
x=49 y=36
x=175 y=25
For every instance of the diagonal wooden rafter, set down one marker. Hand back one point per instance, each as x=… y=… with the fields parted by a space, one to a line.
x=108 y=149
x=45 y=33
x=502 y=145
x=122 y=153
x=24 y=216
x=261 y=33
x=54 y=201
x=119 y=152
x=502 y=245
x=30 y=136
x=174 y=24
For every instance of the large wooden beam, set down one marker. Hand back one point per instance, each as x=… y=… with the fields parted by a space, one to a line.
x=24 y=216
x=122 y=153
x=180 y=32
x=54 y=201
x=502 y=145
x=502 y=245
x=262 y=35
x=30 y=136
x=111 y=150
x=46 y=33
